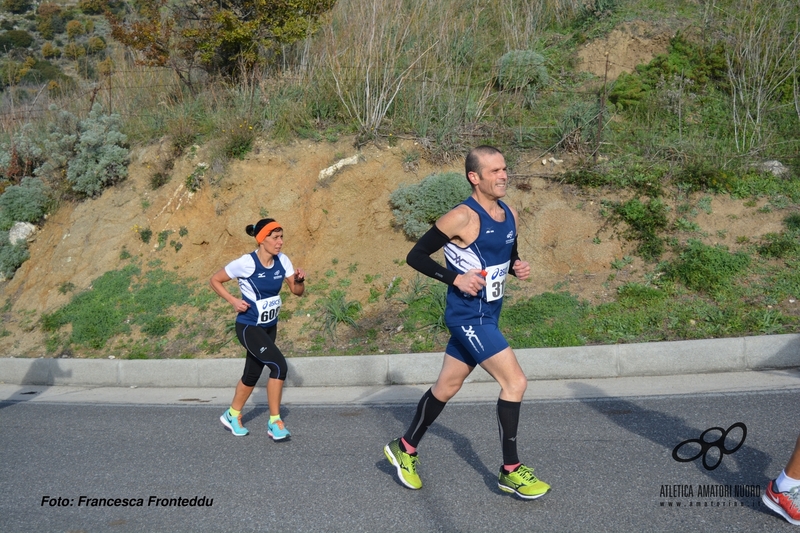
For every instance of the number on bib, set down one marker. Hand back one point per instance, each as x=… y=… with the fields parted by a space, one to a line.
x=268 y=309
x=496 y=281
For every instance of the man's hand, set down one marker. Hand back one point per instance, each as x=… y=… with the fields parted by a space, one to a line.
x=522 y=269
x=471 y=282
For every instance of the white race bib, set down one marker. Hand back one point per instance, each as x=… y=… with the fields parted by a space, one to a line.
x=496 y=281
x=268 y=309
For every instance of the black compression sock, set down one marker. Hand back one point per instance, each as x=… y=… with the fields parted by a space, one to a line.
x=507 y=423
x=427 y=410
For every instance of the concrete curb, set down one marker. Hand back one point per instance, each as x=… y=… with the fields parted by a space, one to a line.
x=582 y=362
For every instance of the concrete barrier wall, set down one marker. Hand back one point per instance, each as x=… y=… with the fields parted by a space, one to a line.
x=620 y=360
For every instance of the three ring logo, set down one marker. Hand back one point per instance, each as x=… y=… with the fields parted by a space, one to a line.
x=707 y=446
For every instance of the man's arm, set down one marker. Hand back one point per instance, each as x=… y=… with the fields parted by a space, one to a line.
x=419 y=258
x=519 y=268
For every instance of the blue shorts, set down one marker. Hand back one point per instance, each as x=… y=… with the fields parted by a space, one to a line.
x=475 y=344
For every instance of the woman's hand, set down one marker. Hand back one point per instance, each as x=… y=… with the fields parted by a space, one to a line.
x=240 y=305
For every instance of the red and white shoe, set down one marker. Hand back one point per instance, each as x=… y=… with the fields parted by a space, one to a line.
x=786 y=504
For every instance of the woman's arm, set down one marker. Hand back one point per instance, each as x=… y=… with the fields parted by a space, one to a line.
x=216 y=283
x=296 y=282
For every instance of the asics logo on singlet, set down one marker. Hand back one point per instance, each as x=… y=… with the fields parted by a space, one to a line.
x=472 y=337
x=498 y=272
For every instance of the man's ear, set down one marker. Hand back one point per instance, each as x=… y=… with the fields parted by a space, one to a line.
x=473 y=177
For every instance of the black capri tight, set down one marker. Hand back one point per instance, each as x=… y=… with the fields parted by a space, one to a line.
x=261 y=350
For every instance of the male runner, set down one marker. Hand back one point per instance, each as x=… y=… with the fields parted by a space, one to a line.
x=479 y=237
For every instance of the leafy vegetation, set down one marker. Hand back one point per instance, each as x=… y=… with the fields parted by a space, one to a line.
x=417 y=206
x=116 y=301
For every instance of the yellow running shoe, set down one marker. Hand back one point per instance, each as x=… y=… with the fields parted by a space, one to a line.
x=405 y=463
x=522 y=482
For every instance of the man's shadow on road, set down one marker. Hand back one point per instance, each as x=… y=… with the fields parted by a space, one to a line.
x=41 y=374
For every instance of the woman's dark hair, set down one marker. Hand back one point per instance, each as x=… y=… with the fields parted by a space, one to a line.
x=253 y=229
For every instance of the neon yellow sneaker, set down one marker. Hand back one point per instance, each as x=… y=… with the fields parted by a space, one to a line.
x=522 y=482
x=405 y=463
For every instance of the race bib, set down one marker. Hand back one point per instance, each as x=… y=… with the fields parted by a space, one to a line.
x=496 y=281
x=268 y=309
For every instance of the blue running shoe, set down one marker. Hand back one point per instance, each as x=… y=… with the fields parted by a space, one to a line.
x=233 y=423
x=277 y=430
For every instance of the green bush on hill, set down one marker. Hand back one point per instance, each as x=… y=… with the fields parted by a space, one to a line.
x=417 y=206
x=26 y=202
x=12 y=39
x=11 y=255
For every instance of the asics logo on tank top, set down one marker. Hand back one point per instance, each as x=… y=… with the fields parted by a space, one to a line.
x=500 y=272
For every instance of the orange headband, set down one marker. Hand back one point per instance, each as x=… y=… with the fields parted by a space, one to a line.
x=266 y=230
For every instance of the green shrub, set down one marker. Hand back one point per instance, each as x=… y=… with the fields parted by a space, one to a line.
x=26 y=202
x=703 y=177
x=239 y=141
x=597 y=9
x=15 y=39
x=416 y=207
x=101 y=157
x=20 y=156
x=518 y=69
x=93 y=7
x=11 y=256
x=95 y=45
x=706 y=268
x=636 y=295
x=334 y=309
x=145 y=234
x=63 y=132
x=17 y=7
x=792 y=222
x=699 y=63
x=578 y=126
x=74 y=51
x=627 y=91
x=585 y=177
x=75 y=29
x=779 y=245
x=158 y=179
x=43 y=70
x=645 y=221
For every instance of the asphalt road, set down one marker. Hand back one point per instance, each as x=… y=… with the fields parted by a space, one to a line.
x=609 y=461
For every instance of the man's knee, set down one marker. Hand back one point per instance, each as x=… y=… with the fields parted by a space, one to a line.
x=519 y=384
x=445 y=390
